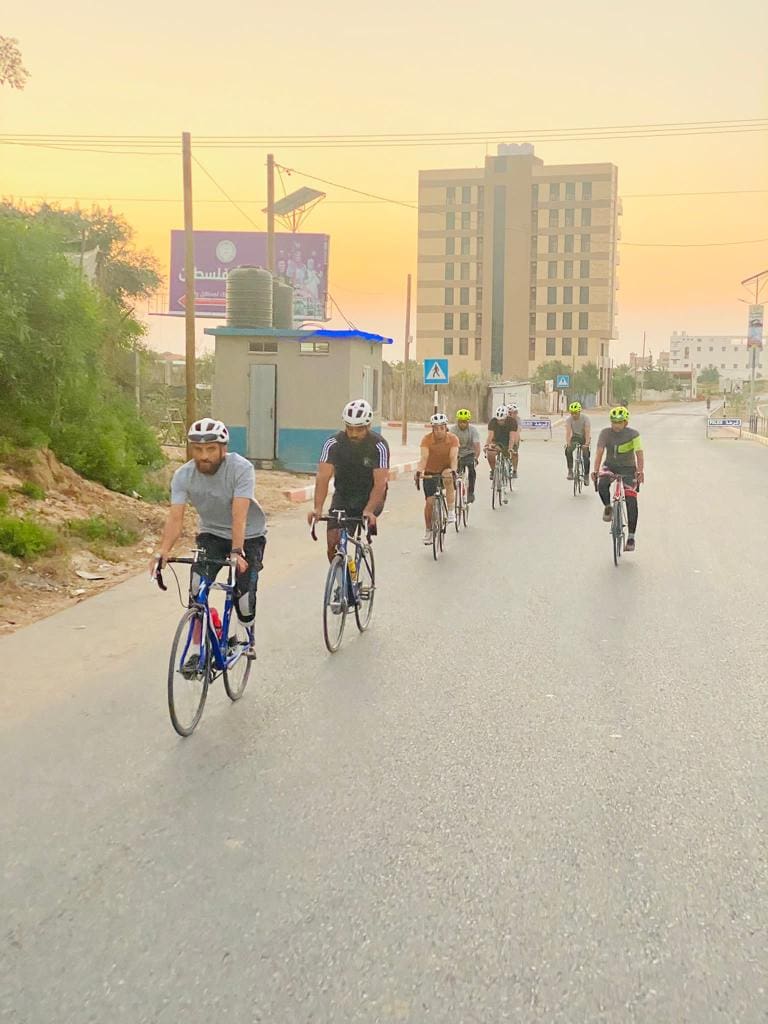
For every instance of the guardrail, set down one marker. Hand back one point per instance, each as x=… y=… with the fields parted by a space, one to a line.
x=716 y=428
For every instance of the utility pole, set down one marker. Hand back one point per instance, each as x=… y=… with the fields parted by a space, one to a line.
x=189 y=276
x=642 y=369
x=754 y=339
x=270 y=213
x=404 y=432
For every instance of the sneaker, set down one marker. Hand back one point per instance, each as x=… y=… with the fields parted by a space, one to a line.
x=250 y=651
x=607 y=514
x=451 y=518
x=514 y=474
x=570 y=475
x=470 y=498
x=427 y=536
x=630 y=545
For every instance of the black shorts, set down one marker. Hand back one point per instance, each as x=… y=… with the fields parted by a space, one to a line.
x=353 y=508
x=429 y=483
x=246 y=583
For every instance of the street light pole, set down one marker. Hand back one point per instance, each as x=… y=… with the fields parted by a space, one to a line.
x=189 y=274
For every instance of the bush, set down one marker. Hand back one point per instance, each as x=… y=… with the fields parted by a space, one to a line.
x=4 y=499
x=101 y=528
x=32 y=490
x=24 y=538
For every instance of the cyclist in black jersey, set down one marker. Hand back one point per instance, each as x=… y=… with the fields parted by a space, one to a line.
x=504 y=432
x=358 y=460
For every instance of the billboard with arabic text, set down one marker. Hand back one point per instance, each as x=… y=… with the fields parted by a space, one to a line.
x=301 y=260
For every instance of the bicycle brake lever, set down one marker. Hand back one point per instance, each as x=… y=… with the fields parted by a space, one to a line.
x=159 y=579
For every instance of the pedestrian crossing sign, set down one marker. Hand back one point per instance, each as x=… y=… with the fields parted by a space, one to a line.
x=435 y=371
x=563 y=380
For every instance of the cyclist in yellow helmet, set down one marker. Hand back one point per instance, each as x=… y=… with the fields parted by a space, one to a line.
x=469 y=448
x=623 y=450
x=578 y=431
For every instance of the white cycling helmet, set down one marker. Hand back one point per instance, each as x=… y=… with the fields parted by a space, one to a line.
x=512 y=408
x=357 y=413
x=501 y=412
x=439 y=419
x=204 y=431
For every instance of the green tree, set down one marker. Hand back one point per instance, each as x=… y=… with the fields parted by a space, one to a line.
x=660 y=380
x=708 y=381
x=549 y=370
x=623 y=384
x=586 y=381
x=12 y=71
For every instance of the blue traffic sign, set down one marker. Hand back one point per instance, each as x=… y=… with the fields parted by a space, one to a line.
x=435 y=371
x=563 y=380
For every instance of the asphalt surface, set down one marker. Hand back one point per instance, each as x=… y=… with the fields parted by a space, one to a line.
x=534 y=791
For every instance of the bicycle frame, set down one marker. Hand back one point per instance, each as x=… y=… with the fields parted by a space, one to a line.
x=342 y=547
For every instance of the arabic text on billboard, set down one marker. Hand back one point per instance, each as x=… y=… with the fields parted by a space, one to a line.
x=755 y=329
x=301 y=261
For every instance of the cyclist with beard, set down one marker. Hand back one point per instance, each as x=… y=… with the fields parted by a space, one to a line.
x=220 y=486
x=357 y=458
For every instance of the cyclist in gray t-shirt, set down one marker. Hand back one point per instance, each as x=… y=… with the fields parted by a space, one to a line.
x=578 y=430
x=469 y=448
x=220 y=485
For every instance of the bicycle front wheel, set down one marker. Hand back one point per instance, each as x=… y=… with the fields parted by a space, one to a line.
x=617 y=533
x=237 y=672
x=366 y=590
x=496 y=487
x=335 y=604
x=458 y=505
x=188 y=674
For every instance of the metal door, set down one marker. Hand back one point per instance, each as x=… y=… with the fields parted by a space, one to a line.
x=261 y=414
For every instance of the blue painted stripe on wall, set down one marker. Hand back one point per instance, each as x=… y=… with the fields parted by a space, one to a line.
x=238 y=440
x=299 y=450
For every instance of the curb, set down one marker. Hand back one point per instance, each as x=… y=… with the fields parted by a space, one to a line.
x=749 y=436
x=301 y=494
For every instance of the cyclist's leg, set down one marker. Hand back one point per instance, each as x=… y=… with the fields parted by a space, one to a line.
x=514 y=455
x=247 y=583
x=450 y=490
x=217 y=549
x=471 y=473
x=631 y=499
x=491 y=454
x=585 y=460
x=604 y=489
x=569 y=456
x=429 y=486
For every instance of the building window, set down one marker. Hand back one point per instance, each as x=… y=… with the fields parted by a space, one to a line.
x=586 y=190
x=583 y=296
x=450 y=221
x=314 y=348
x=551 y=296
x=449 y=271
x=583 y=346
x=466 y=194
x=566 y=346
x=447 y=321
x=463 y=346
x=568 y=268
x=479 y=271
x=463 y=296
x=479 y=296
x=553 y=218
x=568 y=295
x=262 y=346
x=532 y=347
x=532 y=323
x=478 y=348
x=534 y=220
x=464 y=247
x=586 y=217
x=447 y=346
x=570 y=218
x=722 y=366
x=551 y=321
x=554 y=192
x=479 y=247
x=465 y=220
x=551 y=349
x=450 y=246
x=448 y=297
x=478 y=320
x=450 y=196
x=464 y=271
x=567 y=321
x=569 y=243
x=583 y=321
x=463 y=321
x=586 y=243
x=480 y=194
x=583 y=268
x=570 y=190
x=535 y=193
x=552 y=269
x=552 y=244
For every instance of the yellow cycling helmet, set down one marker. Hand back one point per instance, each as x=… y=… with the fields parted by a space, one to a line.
x=463 y=415
x=574 y=407
x=619 y=413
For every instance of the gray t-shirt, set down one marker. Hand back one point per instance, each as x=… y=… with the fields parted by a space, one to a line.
x=579 y=425
x=467 y=439
x=212 y=495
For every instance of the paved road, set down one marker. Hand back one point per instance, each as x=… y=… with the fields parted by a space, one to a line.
x=535 y=791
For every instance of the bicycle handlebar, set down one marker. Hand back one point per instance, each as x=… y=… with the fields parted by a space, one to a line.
x=158 y=576
x=341 y=520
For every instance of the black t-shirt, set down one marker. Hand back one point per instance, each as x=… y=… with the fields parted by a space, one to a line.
x=353 y=464
x=502 y=430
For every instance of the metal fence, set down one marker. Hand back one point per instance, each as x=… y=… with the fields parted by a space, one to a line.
x=758 y=425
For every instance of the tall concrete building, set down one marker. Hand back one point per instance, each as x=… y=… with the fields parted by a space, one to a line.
x=690 y=354
x=517 y=264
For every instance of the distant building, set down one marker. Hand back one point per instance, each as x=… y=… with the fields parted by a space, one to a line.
x=637 y=362
x=727 y=353
x=662 y=363
x=517 y=264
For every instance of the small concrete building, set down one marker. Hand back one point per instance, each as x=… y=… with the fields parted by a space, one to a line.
x=281 y=391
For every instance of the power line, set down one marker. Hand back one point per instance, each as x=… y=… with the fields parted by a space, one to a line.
x=341 y=312
x=226 y=194
x=348 y=188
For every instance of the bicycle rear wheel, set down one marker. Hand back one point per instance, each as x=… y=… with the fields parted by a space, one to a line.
x=236 y=675
x=188 y=687
x=366 y=580
x=335 y=604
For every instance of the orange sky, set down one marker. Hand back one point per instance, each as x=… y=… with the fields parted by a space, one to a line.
x=351 y=68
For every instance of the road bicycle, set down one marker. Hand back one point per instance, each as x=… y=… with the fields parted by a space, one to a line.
x=439 y=512
x=578 y=470
x=460 y=504
x=619 y=519
x=351 y=579
x=205 y=646
x=501 y=479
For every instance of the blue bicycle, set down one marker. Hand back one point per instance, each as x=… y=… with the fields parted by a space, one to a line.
x=205 y=646
x=351 y=579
